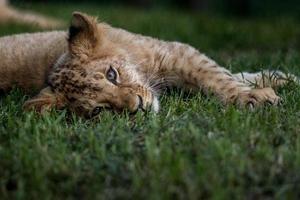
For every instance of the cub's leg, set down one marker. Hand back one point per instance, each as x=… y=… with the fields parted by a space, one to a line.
x=10 y=14
x=194 y=70
x=266 y=78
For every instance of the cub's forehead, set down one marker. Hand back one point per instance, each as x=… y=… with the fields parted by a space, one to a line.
x=104 y=63
x=80 y=77
x=76 y=81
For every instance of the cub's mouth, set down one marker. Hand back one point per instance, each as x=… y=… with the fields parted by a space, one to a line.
x=139 y=104
x=150 y=105
x=143 y=103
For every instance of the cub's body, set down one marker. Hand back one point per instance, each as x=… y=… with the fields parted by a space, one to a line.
x=27 y=58
x=75 y=69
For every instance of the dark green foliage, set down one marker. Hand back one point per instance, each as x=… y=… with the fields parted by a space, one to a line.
x=241 y=8
x=194 y=148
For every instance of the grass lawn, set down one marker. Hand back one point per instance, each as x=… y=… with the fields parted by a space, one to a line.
x=194 y=148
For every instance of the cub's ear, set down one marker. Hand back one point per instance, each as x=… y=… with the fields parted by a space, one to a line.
x=45 y=101
x=84 y=35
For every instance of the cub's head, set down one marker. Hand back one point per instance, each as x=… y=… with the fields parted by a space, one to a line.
x=94 y=74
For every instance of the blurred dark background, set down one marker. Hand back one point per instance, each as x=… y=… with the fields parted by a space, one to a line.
x=229 y=7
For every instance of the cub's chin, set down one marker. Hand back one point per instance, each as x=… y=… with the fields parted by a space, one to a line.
x=155 y=105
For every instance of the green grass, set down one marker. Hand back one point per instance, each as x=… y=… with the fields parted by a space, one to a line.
x=194 y=148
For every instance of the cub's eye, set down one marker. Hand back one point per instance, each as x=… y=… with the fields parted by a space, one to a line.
x=111 y=75
x=96 y=111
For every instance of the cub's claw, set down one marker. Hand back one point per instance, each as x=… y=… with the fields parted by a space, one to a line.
x=258 y=97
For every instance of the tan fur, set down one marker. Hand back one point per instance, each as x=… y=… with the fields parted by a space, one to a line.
x=79 y=79
x=25 y=59
x=11 y=14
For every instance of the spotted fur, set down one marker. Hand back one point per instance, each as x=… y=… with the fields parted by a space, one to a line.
x=97 y=66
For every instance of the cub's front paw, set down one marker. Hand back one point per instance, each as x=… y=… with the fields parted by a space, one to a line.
x=258 y=97
x=44 y=101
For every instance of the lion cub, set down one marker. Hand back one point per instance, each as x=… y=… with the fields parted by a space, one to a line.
x=95 y=66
